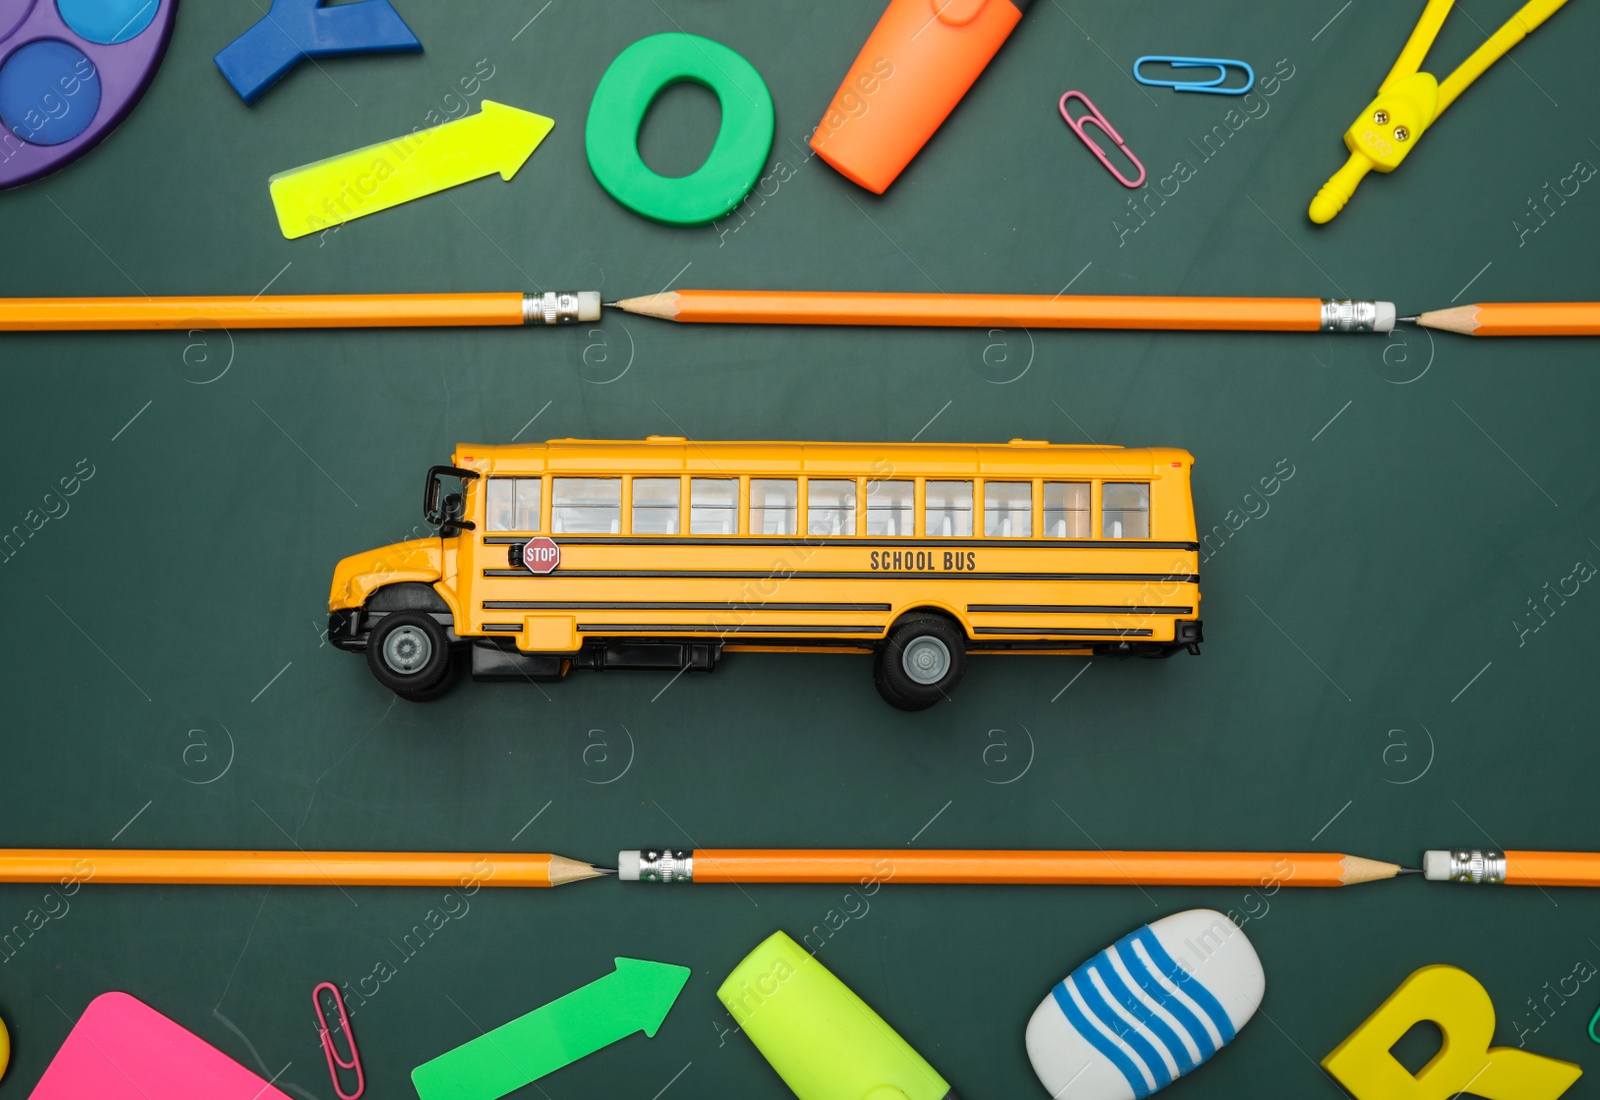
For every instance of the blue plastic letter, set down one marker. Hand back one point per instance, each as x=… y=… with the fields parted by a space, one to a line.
x=297 y=29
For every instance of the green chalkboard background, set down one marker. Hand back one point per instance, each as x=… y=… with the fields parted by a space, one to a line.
x=1366 y=685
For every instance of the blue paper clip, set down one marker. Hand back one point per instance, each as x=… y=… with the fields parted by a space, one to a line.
x=1221 y=64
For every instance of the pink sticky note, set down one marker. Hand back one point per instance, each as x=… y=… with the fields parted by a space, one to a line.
x=123 y=1049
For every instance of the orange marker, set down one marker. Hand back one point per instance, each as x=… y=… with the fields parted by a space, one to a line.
x=918 y=63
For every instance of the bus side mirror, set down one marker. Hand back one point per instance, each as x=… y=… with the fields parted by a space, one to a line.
x=448 y=516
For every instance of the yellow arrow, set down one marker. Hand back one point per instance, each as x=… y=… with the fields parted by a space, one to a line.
x=364 y=181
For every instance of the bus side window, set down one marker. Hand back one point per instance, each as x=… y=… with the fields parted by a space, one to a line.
x=513 y=503
x=774 y=503
x=714 y=506
x=1125 y=510
x=586 y=506
x=528 y=503
x=502 y=504
x=655 y=505
x=948 y=511
x=890 y=510
x=1008 y=509
x=1066 y=509
x=830 y=507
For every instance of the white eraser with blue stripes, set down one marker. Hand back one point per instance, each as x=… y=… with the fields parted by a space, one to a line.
x=1147 y=1010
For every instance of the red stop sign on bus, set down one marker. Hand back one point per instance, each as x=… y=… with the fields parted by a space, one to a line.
x=541 y=555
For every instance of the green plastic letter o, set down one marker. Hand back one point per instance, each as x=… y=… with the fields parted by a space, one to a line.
x=642 y=72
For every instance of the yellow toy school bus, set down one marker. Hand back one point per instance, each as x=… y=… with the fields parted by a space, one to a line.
x=667 y=554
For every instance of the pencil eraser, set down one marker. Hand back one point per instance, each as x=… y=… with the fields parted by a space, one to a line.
x=588 y=305
x=1147 y=1010
x=1384 y=322
x=628 y=866
x=1436 y=866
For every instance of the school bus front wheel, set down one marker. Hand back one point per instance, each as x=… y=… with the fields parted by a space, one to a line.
x=663 y=554
x=409 y=653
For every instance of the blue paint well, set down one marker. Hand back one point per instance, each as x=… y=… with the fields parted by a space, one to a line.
x=107 y=22
x=49 y=92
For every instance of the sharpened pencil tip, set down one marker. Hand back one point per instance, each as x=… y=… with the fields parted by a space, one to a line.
x=610 y=305
x=1413 y=319
x=1410 y=871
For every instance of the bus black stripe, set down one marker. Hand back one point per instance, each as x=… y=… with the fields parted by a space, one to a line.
x=688 y=605
x=1068 y=632
x=1070 y=609
x=879 y=575
x=847 y=540
x=691 y=628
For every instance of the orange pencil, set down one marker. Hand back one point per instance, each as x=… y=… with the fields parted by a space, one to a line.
x=298 y=311
x=1015 y=868
x=197 y=868
x=1517 y=319
x=1477 y=865
x=787 y=307
x=805 y=307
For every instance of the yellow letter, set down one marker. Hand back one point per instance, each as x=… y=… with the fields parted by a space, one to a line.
x=1455 y=1001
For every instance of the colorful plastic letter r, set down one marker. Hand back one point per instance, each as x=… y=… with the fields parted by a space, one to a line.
x=297 y=29
x=1466 y=1063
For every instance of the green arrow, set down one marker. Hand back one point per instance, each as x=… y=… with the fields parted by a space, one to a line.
x=636 y=996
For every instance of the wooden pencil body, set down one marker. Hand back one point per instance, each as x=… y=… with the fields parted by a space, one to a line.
x=277 y=311
x=1039 y=868
x=995 y=310
x=1538 y=319
x=220 y=868
x=1553 y=868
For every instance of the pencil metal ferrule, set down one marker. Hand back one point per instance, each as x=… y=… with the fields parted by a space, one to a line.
x=1347 y=315
x=666 y=865
x=1477 y=865
x=561 y=307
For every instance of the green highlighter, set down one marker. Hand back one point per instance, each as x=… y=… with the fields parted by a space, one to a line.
x=822 y=1039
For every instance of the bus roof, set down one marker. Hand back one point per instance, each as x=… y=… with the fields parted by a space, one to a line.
x=676 y=455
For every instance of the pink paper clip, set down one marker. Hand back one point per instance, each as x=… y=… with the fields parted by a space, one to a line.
x=1095 y=118
x=335 y=1061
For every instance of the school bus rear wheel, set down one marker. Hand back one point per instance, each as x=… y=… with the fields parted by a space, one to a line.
x=408 y=652
x=921 y=662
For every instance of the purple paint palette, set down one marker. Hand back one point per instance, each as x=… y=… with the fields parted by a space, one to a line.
x=70 y=70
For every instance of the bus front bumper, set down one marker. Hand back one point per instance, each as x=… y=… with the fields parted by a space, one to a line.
x=346 y=629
